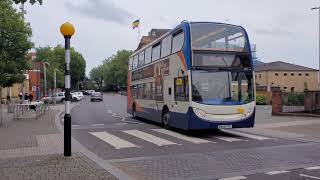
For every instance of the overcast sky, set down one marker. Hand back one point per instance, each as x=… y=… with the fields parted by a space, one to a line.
x=285 y=30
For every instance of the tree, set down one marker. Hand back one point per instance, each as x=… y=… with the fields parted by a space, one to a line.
x=31 y=1
x=14 y=45
x=113 y=71
x=56 y=58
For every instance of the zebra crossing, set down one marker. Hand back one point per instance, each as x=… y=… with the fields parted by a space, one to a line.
x=152 y=136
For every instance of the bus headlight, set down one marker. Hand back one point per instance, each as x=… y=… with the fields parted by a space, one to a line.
x=250 y=111
x=200 y=113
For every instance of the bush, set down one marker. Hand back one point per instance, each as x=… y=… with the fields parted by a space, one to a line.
x=261 y=99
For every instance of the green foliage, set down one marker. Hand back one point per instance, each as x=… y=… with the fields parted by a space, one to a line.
x=261 y=99
x=14 y=45
x=294 y=99
x=31 y=1
x=56 y=58
x=113 y=71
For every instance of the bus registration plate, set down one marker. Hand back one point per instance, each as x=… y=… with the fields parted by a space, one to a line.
x=228 y=126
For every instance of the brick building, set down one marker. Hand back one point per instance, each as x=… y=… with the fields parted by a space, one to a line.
x=152 y=35
x=289 y=77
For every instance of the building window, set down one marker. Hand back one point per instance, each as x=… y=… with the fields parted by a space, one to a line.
x=166 y=46
x=259 y=76
x=307 y=74
x=276 y=74
x=292 y=89
x=284 y=87
x=300 y=74
x=285 y=74
x=292 y=74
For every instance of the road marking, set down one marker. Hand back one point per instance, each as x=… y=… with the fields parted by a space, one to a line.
x=110 y=111
x=312 y=177
x=183 y=137
x=276 y=172
x=114 y=141
x=229 y=139
x=312 y=168
x=234 y=178
x=251 y=136
x=148 y=137
x=97 y=124
x=121 y=123
x=75 y=125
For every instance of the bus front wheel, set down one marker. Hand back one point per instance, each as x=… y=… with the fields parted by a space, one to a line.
x=166 y=119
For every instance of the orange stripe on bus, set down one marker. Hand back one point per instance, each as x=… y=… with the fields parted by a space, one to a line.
x=183 y=60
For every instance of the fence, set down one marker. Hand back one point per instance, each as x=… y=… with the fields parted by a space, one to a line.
x=291 y=102
x=30 y=110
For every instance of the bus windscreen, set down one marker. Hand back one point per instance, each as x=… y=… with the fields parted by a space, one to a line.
x=218 y=37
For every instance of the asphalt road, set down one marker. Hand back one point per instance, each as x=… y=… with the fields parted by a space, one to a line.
x=144 y=150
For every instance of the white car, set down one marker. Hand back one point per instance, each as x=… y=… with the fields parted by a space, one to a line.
x=77 y=96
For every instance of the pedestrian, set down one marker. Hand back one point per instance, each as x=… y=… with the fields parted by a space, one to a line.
x=20 y=95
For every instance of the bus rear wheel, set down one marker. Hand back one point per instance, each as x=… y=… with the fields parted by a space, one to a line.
x=166 y=119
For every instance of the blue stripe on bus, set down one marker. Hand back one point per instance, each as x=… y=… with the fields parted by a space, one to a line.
x=190 y=120
x=187 y=44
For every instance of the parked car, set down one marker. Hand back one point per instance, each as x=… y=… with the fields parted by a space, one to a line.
x=85 y=92
x=50 y=99
x=96 y=96
x=90 y=91
x=77 y=96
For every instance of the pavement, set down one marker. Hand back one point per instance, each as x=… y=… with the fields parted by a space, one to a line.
x=33 y=149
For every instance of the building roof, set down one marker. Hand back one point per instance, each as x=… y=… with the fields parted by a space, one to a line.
x=281 y=66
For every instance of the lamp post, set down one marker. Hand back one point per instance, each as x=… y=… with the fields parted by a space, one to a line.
x=67 y=30
x=318 y=8
x=45 y=78
x=55 y=86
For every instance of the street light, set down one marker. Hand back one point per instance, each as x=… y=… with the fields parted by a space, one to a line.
x=318 y=8
x=67 y=30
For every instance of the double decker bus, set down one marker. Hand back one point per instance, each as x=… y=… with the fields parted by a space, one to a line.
x=199 y=75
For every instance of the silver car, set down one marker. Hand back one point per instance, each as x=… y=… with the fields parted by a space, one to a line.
x=96 y=96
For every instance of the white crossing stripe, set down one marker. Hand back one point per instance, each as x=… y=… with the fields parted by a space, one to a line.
x=75 y=125
x=97 y=124
x=312 y=177
x=251 y=136
x=276 y=172
x=183 y=137
x=114 y=141
x=313 y=168
x=229 y=139
x=234 y=178
x=148 y=137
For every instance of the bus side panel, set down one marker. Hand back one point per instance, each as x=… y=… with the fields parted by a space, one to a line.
x=148 y=111
x=194 y=122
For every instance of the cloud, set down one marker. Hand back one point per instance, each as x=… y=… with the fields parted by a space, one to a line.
x=273 y=32
x=101 y=9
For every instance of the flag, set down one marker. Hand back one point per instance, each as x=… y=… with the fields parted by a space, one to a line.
x=135 y=24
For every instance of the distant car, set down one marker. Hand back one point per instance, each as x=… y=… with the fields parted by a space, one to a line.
x=85 y=93
x=77 y=96
x=96 y=96
x=90 y=91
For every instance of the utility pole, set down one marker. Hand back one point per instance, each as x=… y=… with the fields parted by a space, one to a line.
x=45 y=78
x=318 y=8
x=23 y=12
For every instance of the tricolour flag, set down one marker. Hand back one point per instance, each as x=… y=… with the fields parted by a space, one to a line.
x=135 y=24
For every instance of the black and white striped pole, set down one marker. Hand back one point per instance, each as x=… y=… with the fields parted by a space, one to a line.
x=67 y=30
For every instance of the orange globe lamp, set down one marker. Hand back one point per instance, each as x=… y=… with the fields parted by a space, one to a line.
x=67 y=29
